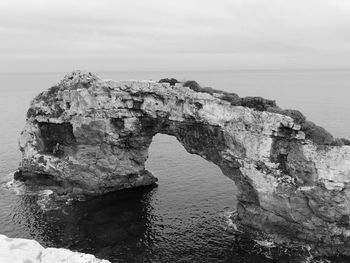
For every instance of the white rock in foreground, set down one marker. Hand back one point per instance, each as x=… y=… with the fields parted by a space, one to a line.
x=18 y=250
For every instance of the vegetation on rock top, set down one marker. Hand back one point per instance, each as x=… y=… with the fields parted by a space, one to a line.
x=171 y=81
x=313 y=132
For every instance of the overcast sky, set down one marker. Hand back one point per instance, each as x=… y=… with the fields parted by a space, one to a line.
x=118 y=35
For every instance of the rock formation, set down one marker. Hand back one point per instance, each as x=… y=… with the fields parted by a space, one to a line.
x=91 y=136
x=18 y=250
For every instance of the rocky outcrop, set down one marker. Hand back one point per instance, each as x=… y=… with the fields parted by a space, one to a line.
x=18 y=250
x=91 y=136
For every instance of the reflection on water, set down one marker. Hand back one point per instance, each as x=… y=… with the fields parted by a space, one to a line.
x=122 y=227
x=115 y=226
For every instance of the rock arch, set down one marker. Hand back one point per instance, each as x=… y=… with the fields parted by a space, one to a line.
x=90 y=136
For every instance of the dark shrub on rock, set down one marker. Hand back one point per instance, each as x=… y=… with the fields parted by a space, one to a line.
x=297 y=116
x=258 y=103
x=171 y=81
x=345 y=141
x=209 y=90
x=233 y=98
x=193 y=85
x=337 y=142
x=53 y=90
x=31 y=112
x=317 y=134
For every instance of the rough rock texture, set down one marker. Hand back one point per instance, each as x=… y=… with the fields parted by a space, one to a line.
x=91 y=136
x=17 y=250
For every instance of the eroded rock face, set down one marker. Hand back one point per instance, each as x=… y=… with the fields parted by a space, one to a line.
x=91 y=136
x=18 y=250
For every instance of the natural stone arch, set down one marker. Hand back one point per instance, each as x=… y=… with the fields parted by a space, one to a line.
x=90 y=136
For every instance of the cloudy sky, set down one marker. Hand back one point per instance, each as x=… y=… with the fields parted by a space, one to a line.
x=147 y=35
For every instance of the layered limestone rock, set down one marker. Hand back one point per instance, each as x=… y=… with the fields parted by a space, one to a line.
x=91 y=136
x=18 y=250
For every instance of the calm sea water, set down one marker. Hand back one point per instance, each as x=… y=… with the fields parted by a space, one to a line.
x=183 y=218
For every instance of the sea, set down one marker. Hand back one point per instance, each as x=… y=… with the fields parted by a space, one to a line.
x=186 y=216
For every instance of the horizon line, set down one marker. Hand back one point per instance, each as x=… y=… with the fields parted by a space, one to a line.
x=177 y=71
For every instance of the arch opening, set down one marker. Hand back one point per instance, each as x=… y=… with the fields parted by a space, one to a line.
x=182 y=172
x=193 y=195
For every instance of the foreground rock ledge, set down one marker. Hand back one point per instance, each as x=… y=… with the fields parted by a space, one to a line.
x=18 y=250
x=91 y=136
